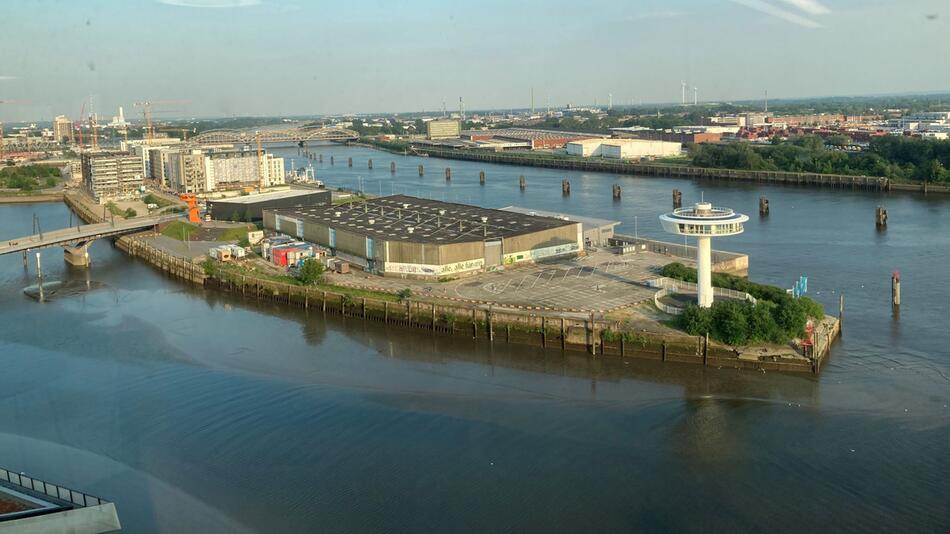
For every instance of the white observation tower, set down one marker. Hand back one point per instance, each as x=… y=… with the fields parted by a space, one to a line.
x=703 y=221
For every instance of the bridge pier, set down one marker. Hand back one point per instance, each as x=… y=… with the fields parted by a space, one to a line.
x=77 y=256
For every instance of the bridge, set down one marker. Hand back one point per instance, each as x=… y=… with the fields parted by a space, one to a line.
x=275 y=135
x=75 y=240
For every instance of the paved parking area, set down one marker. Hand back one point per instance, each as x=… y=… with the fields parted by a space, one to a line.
x=596 y=282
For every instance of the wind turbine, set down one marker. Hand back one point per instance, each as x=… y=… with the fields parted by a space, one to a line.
x=695 y=97
x=683 y=89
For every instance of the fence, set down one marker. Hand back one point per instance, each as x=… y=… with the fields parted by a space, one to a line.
x=671 y=285
x=723 y=261
x=62 y=493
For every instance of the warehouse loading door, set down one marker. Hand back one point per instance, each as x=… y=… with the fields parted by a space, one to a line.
x=492 y=254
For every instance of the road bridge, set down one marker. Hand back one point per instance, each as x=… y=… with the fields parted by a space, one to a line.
x=75 y=240
x=275 y=135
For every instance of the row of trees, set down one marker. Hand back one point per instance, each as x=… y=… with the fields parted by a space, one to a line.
x=775 y=318
x=894 y=157
x=29 y=177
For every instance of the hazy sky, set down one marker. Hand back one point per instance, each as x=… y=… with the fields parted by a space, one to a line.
x=294 y=57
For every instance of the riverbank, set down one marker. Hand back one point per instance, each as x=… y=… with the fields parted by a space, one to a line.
x=836 y=181
x=31 y=198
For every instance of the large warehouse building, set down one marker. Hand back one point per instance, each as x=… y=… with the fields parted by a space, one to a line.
x=250 y=207
x=623 y=148
x=413 y=237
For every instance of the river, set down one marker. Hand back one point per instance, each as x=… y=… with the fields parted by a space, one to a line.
x=197 y=412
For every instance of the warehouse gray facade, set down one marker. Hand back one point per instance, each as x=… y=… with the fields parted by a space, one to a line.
x=414 y=237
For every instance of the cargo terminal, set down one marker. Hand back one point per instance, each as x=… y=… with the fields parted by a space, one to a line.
x=249 y=207
x=412 y=237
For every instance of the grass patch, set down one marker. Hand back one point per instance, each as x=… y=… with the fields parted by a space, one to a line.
x=179 y=230
x=354 y=293
x=233 y=234
x=152 y=198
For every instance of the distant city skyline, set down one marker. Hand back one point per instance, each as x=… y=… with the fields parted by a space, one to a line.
x=276 y=58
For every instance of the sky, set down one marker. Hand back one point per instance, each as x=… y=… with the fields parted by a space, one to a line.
x=308 y=57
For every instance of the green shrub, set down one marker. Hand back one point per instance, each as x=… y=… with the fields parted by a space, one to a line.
x=696 y=321
x=730 y=320
x=311 y=272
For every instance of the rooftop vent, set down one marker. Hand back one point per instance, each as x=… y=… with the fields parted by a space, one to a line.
x=337 y=213
x=371 y=221
x=410 y=229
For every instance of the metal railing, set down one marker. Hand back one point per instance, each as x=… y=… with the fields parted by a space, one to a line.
x=669 y=286
x=55 y=491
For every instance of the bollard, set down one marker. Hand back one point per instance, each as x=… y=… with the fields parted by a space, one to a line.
x=392 y=167
x=521 y=183
x=880 y=217
x=369 y=164
x=421 y=170
x=677 y=199
x=481 y=177
x=349 y=162
x=763 y=205
x=448 y=173
x=896 y=291
x=616 y=191
x=565 y=187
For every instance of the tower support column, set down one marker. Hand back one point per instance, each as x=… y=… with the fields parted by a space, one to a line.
x=704 y=271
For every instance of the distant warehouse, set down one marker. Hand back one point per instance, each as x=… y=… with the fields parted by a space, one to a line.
x=250 y=207
x=623 y=148
x=413 y=237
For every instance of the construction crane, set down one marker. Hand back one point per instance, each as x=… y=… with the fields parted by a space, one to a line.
x=183 y=131
x=260 y=162
x=78 y=123
x=147 y=106
x=93 y=124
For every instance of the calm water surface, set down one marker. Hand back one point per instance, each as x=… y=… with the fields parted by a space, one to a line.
x=196 y=412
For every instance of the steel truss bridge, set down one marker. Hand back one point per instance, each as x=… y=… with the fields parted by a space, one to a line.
x=273 y=135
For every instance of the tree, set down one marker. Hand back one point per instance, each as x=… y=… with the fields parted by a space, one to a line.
x=129 y=213
x=235 y=217
x=50 y=182
x=696 y=321
x=311 y=272
x=247 y=215
x=730 y=320
x=209 y=267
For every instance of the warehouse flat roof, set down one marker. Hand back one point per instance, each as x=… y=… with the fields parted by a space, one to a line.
x=263 y=197
x=420 y=220
x=588 y=223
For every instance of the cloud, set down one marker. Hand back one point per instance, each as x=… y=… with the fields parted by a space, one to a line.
x=668 y=14
x=210 y=3
x=779 y=13
x=812 y=7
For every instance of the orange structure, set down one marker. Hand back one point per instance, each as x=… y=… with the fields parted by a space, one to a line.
x=192 y=202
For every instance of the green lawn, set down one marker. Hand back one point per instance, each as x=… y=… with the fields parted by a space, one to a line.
x=234 y=234
x=179 y=230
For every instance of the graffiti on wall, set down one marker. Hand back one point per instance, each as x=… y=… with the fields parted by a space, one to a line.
x=433 y=270
x=540 y=253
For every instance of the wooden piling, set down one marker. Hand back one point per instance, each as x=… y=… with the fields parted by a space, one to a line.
x=521 y=182
x=331 y=160
x=448 y=173
x=677 y=199
x=763 y=205
x=421 y=170
x=369 y=164
x=616 y=192
x=565 y=187
x=481 y=177
x=880 y=217
x=392 y=167
x=896 y=290
x=349 y=162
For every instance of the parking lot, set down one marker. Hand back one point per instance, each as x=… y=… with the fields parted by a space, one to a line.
x=599 y=281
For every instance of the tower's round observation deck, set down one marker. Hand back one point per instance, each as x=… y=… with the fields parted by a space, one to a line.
x=703 y=219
